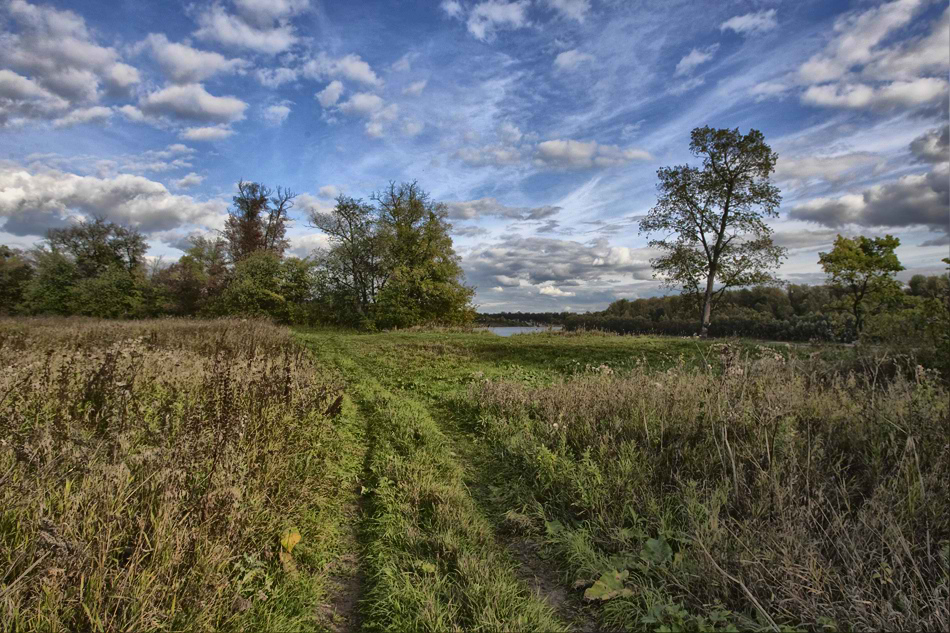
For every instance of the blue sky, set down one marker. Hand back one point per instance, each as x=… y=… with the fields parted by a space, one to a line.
x=540 y=123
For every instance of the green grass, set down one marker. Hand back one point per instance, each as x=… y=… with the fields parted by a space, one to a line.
x=148 y=471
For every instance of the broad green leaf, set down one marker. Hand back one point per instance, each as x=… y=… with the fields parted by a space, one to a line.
x=609 y=586
x=290 y=539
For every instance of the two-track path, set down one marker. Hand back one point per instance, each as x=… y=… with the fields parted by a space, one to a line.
x=493 y=578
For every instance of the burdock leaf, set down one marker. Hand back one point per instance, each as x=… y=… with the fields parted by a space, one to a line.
x=609 y=586
x=290 y=539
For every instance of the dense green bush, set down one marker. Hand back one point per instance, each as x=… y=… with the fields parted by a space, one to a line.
x=813 y=327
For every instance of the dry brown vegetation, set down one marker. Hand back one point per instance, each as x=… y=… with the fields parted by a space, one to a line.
x=759 y=492
x=148 y=471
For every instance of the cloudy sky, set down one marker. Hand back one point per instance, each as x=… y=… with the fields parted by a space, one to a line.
x=540 y=123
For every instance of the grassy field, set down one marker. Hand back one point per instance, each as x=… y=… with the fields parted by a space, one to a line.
x=155 y=475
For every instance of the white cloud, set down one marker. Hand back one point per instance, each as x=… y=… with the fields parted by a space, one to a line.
x=554 y=291
x=192 y=102
x=188 y=181
x=275 y=77
x=696 y=57
x=933 y=146
x=797 y=171
x=54 y=51
x=349 y=67
x=329 y=191
x=404 y=63
x=412 y=128
x=487 y=17
x=509 y=133
x=913 y=200
x=36 y=200
x=757 y=22
x=496 y=155
x=452 y=7
x=207 y=133
x=183 y=64
x=372 y=107
x=363 y=104
x=897 y=93
x=573 y=9
x=415 y=88
x=84 y=115
x=569 y=154
x=236 y=31
x=491 y=207
x=266 y=11
x=331 y=94
x=276 y=114
x=569 y=60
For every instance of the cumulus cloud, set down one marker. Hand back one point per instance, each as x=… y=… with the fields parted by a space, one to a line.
x=188 y=181
x=572 y=9
x=350 y=67
x=490 y=207
x=796 y=171
x=486 y=18
x=569 y=154
x=933 y=146
x=254 y=30
x=696 y=57
x=331 y=94
x=554 y=291
x=895 y=94
x=276 y=114
x=264 y=12
x=453 y=8
x=755 y=22
x=404 y=63
x=490 y=155
x=304 y=245
x=207 y=133
x=184 y=65
x=570 y=60
x=528 y=264
x=275 y=77
x=52 y=63
x=863 y=67
x=192 y=102
x=84 y=115
x=913 y=200
x=412 y=128
x=469 y=231
x=373 y=108
x=329 y=191
x=34 y=201
x=415 y=88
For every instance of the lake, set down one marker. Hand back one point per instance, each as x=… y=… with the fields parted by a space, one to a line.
x=509 y=331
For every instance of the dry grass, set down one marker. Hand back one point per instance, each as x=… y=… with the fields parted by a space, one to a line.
x=147 y=471
x=761 y=493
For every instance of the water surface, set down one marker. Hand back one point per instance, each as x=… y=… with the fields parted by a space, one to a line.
x=528 y=329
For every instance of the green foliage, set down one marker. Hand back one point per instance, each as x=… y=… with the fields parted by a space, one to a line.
x=863 y=269
x=392 y=264
x=712 y=219
x=49 y=291
x=15 y=273
x=263 y=285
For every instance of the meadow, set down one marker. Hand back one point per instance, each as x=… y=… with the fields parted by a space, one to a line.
x=233 y=475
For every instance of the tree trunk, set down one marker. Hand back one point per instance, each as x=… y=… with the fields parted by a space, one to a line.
x=707 y=302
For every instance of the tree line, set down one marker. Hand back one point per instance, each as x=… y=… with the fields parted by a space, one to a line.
x=390 y=262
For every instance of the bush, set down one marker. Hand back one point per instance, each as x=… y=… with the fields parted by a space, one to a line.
x=810 y=328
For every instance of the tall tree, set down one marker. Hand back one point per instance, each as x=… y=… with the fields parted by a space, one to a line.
x=15 y=273
x=392 y=263
x=864 y=269
x=96 y=246
x=257 y=221
x=711 y=219
x=425 y=281
x=352 y=268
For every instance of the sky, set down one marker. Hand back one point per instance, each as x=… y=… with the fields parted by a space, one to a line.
x=539 y=123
